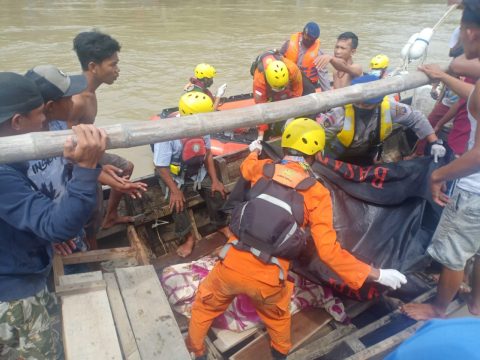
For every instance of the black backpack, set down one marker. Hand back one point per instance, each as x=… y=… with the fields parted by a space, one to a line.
x=269 y=223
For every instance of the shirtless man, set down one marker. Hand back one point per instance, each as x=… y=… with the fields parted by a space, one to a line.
x=342 y=60
x=456 y=238
x=98 y=56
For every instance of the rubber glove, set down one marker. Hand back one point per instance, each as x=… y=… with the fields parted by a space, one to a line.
x=255 y=145
x=221 y=90
x=391 y=278
x=437 y=151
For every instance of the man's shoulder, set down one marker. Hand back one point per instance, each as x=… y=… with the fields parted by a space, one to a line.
x=84 y=108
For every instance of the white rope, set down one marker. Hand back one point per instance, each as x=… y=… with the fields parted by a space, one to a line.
x=447 y=13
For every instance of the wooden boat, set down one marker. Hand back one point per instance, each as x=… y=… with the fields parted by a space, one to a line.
x=376 y=327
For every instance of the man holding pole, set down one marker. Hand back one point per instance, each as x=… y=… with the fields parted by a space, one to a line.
x=456 y=239
x=30 y=222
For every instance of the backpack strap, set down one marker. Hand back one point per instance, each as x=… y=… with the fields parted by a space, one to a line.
x=237 y=244
x=269 y=170
x=306 y=183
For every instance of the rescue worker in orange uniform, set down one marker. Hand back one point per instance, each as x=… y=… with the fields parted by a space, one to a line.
x=244 y=270
x=276 y=78
x=203 y=79
x=303 y=48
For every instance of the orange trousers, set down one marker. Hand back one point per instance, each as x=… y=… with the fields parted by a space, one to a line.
x=219 y=289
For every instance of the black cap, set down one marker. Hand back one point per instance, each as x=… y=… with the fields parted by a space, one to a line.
x=18 y=95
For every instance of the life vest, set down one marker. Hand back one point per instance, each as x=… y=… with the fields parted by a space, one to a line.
x=269 y=224
x=347 y=134
x=192 y=157
x=198 y=85
x=307 y=65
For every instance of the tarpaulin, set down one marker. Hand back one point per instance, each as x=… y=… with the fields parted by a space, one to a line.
x=383 y=215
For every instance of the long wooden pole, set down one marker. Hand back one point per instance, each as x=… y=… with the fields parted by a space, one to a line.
x=41 y=145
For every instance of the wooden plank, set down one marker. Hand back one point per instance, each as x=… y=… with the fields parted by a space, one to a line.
x=57 y=269
x=80 y=278
x=196 y=234
x=226 y=339
x=308 y=352
x=212 y=352
x=203 y=247
x=394 y=340
x=99 y=255
x=324 y=345
x=156 y=332
x=304 y=324
x=88 y=327
x=122 y=324
x=222 y=169
x=80 y=288
x=141 y=250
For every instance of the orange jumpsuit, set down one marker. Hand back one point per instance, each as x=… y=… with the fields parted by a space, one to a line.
x=262 y=92
x=242 y=273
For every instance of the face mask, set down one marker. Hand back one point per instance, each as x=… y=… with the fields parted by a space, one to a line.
x=364 y=113
x=376 y=72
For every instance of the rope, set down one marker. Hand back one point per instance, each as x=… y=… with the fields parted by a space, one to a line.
x=442 y=19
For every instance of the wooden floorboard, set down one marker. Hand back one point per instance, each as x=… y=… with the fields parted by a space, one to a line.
x=304 y=324
x=156 y=332
x=88 y=326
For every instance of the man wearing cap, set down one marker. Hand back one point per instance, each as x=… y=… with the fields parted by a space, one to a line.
x=355 y=132
x=51 y=175
x=342 y=60
x=30 y=222
x=303 y=48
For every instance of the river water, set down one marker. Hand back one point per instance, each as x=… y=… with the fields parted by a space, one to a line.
x=162 y=41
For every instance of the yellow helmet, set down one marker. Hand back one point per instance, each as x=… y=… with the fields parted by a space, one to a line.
x=276 y=74
x=205 y=71
x=194 y=102
x=379 y=62
x=304 y=135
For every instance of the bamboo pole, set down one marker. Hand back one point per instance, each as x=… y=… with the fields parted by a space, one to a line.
x=46 y=144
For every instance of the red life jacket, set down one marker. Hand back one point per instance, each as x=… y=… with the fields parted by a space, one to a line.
x=193 y=155
x=306 y=65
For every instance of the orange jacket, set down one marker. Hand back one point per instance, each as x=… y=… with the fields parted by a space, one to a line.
x=307 y=65
x=262 y=92
x=319 y=215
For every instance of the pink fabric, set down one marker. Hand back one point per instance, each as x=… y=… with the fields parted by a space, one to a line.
x=181 y=281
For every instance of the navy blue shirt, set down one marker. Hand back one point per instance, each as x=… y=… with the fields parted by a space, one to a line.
x=30 y=222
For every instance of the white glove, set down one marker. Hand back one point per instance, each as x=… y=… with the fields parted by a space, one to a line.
x=437 y=151
x=255 y=145
x=391 y=278
x=221 y=90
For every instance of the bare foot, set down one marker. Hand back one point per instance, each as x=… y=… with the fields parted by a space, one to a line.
x=110 y=221
x=472 y=307
x=225 y=231
x=422 y=311
x=186 y=248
